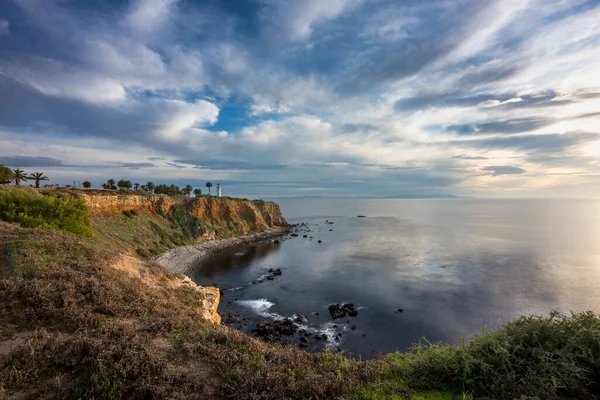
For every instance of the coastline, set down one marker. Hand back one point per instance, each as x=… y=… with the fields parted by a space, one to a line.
x=182 y=259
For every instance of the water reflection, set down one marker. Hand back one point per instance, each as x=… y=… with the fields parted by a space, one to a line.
x=491 y=265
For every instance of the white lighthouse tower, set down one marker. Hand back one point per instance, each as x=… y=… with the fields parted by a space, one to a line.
x=218 y=190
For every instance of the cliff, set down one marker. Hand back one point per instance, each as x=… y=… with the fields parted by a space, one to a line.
x=151 y=224
x=134 y=224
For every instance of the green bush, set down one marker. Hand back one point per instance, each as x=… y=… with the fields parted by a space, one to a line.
x=130 y=213
x=48 y=212
x=532 y=356
x=142 y=252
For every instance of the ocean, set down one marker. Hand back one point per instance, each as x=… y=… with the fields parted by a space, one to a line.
x=452 y=266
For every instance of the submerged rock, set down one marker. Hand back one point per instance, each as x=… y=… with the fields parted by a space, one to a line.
x=340 y=310
x=277 y=272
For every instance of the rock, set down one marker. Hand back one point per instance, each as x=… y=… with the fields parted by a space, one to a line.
x=399 y=310
x=270 y=277
x=317 y=313
x=353 y=327
x=270 y=270
x=364 y=335
x=276 y=241
x=340 y=310
x=305 y=236
x=324 y=336
x=273 y=331
x=443 y=266
x=300 y=318
x=361 y=216
x=277 y=272
x=331 y=230
x=319 y=241
x=303 y=339
x=294 y=235
x=303 y=345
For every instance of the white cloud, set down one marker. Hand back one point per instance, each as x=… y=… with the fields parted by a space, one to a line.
x=4 y=27
x=150 y=15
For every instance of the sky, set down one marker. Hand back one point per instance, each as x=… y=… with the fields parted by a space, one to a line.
x=274 y=98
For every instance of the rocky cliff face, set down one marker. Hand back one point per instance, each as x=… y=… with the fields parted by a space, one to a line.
x=112 y=202
x=238 y=216
x=241 y=217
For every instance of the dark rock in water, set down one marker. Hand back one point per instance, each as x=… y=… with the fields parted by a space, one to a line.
x=331 y=230
x=364 y=335
x=215 y=284
x=353 y=327
x=305 y=236
x=300 y=318
x=340 y=310
x=319 y=241
x=330 y=222
x=443 y=266
x=294 y=235
x=270 y=270
x=277 y=272
x=399 y=310
x=273 y=331
x=303 y=339
x=361 y=216
x=270 y=277
x=324 y=336
x=307 y=334
x=303 y=345
x=221 y=293
x=276 y=241
x=317 y=313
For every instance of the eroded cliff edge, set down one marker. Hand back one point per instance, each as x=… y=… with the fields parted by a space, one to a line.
x=175 y=231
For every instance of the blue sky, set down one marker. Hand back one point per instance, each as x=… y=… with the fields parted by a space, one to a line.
x=307 y=98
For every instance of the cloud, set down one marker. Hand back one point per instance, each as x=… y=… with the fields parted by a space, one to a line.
x=497 y=170
x=303 y=94
x=25 y=162
x=4 y=27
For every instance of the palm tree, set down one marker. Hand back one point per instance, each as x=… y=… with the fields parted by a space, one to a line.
x=209 y=185
x=38 y=177
x=111 y=184
x=136 y=186
x=18 y=176
x=188 y=189
x=87 y=184
x=197 y=192
x=151 y=186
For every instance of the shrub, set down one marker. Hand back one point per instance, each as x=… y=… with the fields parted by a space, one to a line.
x=142 y=252
x=130 y=213
x=48 y=212
x=533 y=356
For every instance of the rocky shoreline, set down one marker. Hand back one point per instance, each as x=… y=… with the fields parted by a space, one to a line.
x=182 y=259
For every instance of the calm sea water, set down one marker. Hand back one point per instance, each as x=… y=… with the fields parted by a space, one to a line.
x=453 y=266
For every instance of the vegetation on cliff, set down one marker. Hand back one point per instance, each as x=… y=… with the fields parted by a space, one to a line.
x=50 y=212
x=82 y=319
